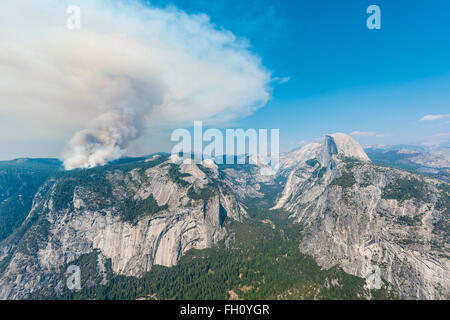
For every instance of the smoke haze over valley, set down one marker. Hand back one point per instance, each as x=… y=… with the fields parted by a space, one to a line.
x=224 y=150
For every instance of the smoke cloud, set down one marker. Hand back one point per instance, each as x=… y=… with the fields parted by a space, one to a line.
x=128 y=67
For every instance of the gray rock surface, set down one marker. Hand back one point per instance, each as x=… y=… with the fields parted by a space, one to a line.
x=379 y=223
x=61 y=236
x=351 y=217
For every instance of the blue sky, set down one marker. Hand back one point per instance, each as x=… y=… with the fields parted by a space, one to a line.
x=343 y=76
x=330 y=73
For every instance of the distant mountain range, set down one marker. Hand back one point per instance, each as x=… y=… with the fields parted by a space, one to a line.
x=335 y=222
x=434 y=162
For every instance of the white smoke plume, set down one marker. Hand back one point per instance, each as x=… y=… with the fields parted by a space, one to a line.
x=105 y=140
x=127 y=68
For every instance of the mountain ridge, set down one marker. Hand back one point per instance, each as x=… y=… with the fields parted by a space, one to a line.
x=149 y=212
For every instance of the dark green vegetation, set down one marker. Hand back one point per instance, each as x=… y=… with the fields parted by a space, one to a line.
x=204 y=194
x=260 y=261
x=95 y=182
x=346 y=180
x=4 y=263
x=405 y=220
x=92 y=273
x=176 y=176
x=40 y=165
x=37 y=233
x=319 y=171
x=443 y=204
x=29 y=235
x=312 y=162
x=132 y=209
x=404 y=189
x=444 y=199
x=19 y=182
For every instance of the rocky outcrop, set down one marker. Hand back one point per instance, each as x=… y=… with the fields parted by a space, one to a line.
x=388 y=226
x=375 y=222
x=189 y=216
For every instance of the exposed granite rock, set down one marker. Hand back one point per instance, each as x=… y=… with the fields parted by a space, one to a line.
x=383 y=224
x=60 y=236
x=351 y=217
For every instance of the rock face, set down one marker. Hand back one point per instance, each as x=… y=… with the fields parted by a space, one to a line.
x=375 y=222
x=385 y=225
x=90 y=216
x=343 y=145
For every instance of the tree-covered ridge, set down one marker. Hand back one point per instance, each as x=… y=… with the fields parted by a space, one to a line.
x=346 y=180
x=131 y=209
x=405 y=188
x=176 y=176
x=259 y=260
x=443 y=204
x=19 y=182
x=100 y=182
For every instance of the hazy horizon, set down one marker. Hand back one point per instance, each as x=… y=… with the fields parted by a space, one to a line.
x=307 y=69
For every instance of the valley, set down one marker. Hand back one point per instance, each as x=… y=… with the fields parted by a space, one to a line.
x=329 y=225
